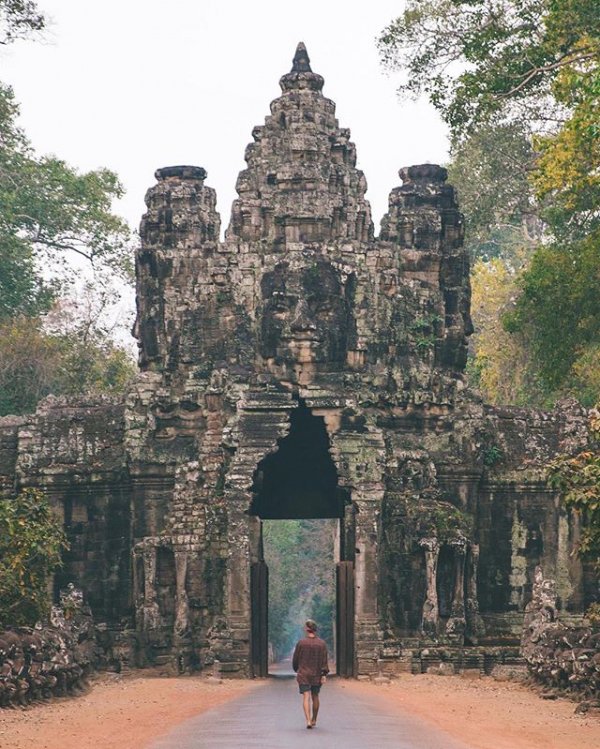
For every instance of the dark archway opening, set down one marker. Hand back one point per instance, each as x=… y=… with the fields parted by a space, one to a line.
x=299 y=480
x=309 y=573
x=445 y=582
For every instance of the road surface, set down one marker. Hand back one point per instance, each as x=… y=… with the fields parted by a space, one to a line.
x=271 y=717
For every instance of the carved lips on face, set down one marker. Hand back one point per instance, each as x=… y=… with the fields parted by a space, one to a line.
x=306 y=316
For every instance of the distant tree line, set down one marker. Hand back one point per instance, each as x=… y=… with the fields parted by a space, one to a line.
x=300 y=556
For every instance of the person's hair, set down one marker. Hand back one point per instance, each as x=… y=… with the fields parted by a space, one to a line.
x=310 y=625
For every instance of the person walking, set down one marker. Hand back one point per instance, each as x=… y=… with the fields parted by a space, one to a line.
x=310 y=664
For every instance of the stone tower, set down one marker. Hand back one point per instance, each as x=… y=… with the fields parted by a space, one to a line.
x=303 y=367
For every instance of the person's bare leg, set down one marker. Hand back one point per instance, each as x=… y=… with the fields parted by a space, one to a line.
x=315 y=708
x=306 y=706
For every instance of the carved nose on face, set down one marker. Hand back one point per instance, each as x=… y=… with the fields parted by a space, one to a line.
x=302 y=320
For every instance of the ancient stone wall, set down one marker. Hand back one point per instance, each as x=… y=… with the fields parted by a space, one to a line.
x=302 y=322
x=74 y=451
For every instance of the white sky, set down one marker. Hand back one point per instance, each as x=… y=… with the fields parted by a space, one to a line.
x=139 y=84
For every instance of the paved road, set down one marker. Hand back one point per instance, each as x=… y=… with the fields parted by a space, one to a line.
x=271 y=718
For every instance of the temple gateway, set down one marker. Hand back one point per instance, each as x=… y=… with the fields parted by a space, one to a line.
x=303 y=368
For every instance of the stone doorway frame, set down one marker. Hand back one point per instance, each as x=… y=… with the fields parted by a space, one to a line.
x=262 y=419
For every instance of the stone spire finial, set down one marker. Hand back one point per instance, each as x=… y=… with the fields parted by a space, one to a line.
x=301 y=76
x=301 y=61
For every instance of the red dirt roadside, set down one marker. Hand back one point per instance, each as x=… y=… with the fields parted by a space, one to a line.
x=117 y=713
x=131 y=712
x=486 y=714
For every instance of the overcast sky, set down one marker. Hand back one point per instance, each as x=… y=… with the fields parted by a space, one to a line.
x=139 y=84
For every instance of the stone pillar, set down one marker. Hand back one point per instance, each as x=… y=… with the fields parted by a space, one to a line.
x=181 y=600
x=236 y=661
x=150 y=613
x=431 y=613
x=474 y=623
x=366 y=609
x=457 y=623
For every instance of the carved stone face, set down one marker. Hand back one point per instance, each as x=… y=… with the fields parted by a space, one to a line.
x=306 y=315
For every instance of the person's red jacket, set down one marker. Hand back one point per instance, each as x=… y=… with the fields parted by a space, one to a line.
x=310 y=661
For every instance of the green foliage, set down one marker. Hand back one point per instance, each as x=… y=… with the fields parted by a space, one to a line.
x=423 y=330
x=500 y=363
x=492 y=455
x=567 y=172
x=35 y=363
x=51 y=214
x=483 y=59
x=559 y=307
x=578 y=480
x=31 y=543
x=490 y=170
x=301 y=579
x=19 y=19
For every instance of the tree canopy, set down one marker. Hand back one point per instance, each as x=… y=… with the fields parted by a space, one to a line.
x=49 y=212
x=56 y=225
x=518 y=82
x=482 y=59
x=19 y=19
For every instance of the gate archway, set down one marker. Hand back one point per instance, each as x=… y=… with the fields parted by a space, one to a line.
x=299 y=481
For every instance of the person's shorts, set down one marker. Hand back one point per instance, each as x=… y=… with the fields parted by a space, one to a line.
x=313 y=689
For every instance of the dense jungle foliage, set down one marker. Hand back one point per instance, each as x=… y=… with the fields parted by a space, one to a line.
x=31 y=543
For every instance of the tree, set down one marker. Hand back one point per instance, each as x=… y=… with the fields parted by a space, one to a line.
x=35 y=363
x=533 y=65
x=500 y=364
x=31 y=543
x=480 y=60
x=559 y=310
x=490 y=170
x=54 y=223
x=19 y=19
x=49 y=214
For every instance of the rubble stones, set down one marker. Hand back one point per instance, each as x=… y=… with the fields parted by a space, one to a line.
x=559 y=656
x=51 y=660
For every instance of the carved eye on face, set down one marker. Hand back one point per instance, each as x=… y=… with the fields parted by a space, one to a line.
x=279 y=306
x=323 y=308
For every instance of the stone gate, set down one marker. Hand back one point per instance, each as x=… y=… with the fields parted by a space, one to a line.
x=302 y=367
